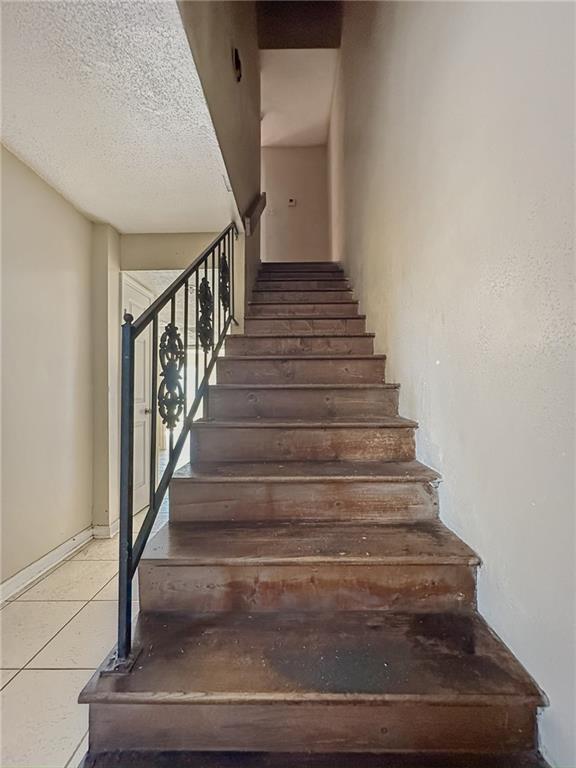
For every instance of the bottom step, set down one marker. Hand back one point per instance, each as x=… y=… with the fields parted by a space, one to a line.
x=304 y=760
x=332 y=682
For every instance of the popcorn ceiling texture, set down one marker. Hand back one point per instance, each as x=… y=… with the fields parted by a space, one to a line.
x=103 y=100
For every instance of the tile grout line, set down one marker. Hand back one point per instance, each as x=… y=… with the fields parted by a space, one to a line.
x=75 y=752
x=80 y=600
x=86 y=603
x=7 y=683
x=31 y=659
x=40 y=579
x=58 y=669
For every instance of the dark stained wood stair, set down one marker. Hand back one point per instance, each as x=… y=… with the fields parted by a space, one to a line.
x=305 y=607
x=306 y=760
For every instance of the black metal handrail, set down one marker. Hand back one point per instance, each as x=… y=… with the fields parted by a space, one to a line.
x=211 y=277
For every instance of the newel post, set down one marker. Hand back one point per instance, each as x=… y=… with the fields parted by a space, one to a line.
x=126 y=491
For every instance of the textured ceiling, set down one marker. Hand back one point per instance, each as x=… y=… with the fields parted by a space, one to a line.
x=297 y=87
x=103 y=100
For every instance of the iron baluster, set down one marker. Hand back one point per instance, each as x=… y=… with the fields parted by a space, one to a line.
x=153 y=423
x=186 y=290
x=169 y=388
x=126 y=492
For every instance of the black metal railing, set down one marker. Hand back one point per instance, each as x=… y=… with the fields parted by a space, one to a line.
x=177 y=392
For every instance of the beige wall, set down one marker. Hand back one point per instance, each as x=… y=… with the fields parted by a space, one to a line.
x=46 y=368
x=162 y=251
x=214 y=29
x=298 y=233
x=456 y=156
x=106 y=375
x=112 y=254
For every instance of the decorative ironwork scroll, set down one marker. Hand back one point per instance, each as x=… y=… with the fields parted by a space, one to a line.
x=206 y=309
x=170 y=392
x=225 y=283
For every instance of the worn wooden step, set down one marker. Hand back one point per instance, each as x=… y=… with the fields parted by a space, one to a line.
x=316 y=682
x=304 y=324
x=300 y=266
x=288 y=309
x=259 y=566
x=304 y=401
x=301 y=369
x=308 y=295
x=287 y=283
x=306 y=760
x=301 y=275
x=307 y=344
x=345 y=491
x=389 y=438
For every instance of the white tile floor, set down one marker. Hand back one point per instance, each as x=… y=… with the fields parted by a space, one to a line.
x=54 y=635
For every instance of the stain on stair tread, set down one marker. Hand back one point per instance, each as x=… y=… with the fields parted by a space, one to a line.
x=260 y=543
x=307 y=760
x=432 y=658
x=337 y=471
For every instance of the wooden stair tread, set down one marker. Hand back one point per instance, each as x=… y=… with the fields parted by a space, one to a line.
x=300 y=387
x=306 y=317
x=298 y=266
x=299 y=358
x=297 y=301
x=330 y=275
x=340 y=471
x=261 y=543
x=349 y=657
x=325 y=335
x=385 y=422
x=308 y=760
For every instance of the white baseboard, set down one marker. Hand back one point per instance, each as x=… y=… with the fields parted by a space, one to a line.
x=29 y=574
x=106 y=531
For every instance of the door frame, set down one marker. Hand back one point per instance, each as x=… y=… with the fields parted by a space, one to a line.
x=127 y=281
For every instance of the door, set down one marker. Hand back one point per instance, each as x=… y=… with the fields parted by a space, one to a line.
x=135 y=299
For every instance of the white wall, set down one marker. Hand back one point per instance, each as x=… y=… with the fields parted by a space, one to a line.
x=298 y=233
x=454 y=148
x=46 y=368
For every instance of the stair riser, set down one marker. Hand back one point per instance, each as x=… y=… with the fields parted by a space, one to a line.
x=300 y=275
x=300 y=345
x=308 y=444
x=301 y=266
x=303 y=371
x=299 y=326
x=301 y=404
x=303 y=587
x=292 y=284
x=313 y=727
x=274 y=501
x=339 y=308
x=302 y=296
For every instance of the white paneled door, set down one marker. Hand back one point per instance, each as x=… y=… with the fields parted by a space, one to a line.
x=135 y=299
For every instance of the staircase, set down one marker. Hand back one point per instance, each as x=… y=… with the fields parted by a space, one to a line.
x=305 y=597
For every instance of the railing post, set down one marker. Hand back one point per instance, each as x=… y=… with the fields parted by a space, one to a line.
x=126 y=492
